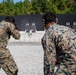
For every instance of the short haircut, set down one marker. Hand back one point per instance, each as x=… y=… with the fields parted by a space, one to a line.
x=10 y=19
x=49 y=17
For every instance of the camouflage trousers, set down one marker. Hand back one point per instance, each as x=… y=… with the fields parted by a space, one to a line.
x=7 y=62
x=64 y=69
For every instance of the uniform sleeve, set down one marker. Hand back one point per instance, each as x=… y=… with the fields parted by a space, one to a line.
x=14 y=32
x=49 y=56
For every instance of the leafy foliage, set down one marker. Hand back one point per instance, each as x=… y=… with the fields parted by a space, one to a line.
x=8 y=7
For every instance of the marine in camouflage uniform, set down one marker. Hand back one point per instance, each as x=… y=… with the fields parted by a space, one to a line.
x=7 y=62
x=59 y=44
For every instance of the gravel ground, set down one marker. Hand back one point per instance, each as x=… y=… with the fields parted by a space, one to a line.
x=28 y=57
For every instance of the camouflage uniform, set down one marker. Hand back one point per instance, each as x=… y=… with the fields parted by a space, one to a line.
x=6 y=60
x=59 y=44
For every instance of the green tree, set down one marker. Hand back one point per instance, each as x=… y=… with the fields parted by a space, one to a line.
x=36 y=6
x=27 y=7
x=52 y=6
x=58 y=6
x=18 y=8
x=43 y=5
x=72 y=9
x=3 y=9
x=39 y=6
x=9 y=7
x=63 y=6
